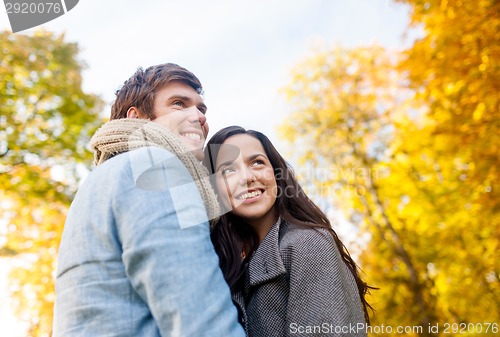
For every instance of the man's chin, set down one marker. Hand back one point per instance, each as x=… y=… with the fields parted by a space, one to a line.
x=198 y=153
x=195 y=149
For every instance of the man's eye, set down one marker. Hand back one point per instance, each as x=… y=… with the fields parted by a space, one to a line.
x=178 y=103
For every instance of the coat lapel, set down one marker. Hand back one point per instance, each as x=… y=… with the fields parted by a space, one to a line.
x=239 y=301
x=266 y=262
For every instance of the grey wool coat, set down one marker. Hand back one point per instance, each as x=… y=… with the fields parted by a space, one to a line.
x=297 y=284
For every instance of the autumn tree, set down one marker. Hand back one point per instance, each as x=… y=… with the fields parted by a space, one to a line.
x=454 y=70
x=45 y=122
x=410 y=144
x=346 y=107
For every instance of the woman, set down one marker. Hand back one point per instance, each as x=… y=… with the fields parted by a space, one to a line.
x=288 y=271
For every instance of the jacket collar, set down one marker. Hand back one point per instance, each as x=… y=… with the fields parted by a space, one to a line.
x=266 y=262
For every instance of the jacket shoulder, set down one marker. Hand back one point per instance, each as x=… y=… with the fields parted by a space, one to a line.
x=302 y=237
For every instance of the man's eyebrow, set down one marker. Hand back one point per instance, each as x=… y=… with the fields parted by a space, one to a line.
x=181 y=97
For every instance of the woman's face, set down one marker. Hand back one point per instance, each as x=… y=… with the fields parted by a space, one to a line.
x=245 y=179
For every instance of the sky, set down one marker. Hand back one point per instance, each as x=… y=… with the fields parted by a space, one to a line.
x=241 y=50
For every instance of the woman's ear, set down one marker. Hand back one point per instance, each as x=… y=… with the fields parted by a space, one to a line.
x=133 y=112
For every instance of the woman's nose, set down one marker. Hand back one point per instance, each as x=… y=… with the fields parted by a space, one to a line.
x=246 y=178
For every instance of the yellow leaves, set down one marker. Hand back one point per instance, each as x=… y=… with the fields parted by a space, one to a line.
x=451 y=13
x=47 y=121
x=453 y=88
x=36 y=229
x=483 y=67
x=478 y=112
x=435 y=201
x=485 y=59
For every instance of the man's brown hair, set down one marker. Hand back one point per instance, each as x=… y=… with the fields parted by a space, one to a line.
x=139 y=90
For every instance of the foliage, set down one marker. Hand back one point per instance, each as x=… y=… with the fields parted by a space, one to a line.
x=45 y=122
x=348 y=104
x=454 y=71
x=411 y=147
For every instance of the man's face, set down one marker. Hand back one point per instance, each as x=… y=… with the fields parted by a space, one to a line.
x=178 y=107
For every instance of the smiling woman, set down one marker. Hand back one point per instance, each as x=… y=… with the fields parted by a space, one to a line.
x=246 y=184
x=284 y=263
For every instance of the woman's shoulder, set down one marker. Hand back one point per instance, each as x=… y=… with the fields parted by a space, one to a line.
x=304 y=238
x=307 y=248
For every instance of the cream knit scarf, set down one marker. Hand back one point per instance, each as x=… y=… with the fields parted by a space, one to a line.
x=123 y=135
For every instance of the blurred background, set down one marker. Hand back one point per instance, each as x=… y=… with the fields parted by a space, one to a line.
x=387 y=110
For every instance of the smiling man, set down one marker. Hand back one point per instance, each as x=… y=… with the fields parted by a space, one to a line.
x=180 y=108
x=135 y=258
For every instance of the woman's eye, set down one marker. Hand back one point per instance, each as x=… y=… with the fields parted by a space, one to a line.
x=226 y=170
x=258 y=162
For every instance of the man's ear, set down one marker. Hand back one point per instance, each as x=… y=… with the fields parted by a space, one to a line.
x=133 y=112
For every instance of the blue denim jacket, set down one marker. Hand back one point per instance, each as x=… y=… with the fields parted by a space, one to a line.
x=136 y=258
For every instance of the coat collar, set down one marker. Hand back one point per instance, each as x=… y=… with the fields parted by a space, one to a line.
x=266 y=262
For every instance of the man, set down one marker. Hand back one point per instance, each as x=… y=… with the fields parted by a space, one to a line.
x=135 y=257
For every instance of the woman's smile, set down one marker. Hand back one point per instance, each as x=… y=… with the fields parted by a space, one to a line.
x=245 y=180
x=250 y=195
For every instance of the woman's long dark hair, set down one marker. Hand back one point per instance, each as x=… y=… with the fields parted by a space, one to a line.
x=231 y=236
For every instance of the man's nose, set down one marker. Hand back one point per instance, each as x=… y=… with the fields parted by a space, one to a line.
x=195 y=115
